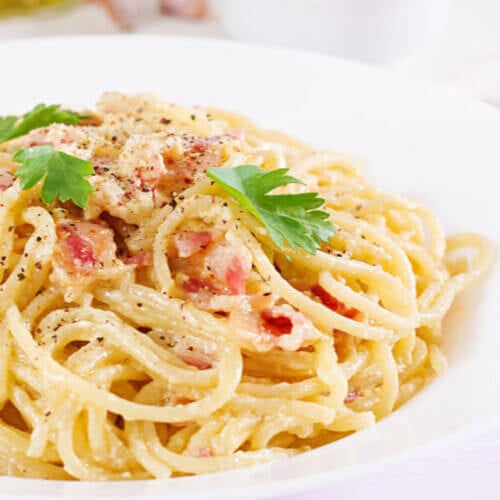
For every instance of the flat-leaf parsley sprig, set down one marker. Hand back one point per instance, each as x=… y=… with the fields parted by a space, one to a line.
x=41 y=115
x=63 y=174
x=293 y=218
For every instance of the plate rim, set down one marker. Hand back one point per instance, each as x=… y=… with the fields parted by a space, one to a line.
x=273 y=487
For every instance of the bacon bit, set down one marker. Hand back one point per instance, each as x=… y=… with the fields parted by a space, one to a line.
x=144 y=259
x=81 y=252
x=76 y=249
x=200 y=145
x=191 y=359
x=285 y=327
x=352 y=395
x=230 y=265
x=276 y=325
x=83 y=245
x=210 y=264
x=204 y=453
x=188 y=243
x=236 y=276
x=333 y=303
x=195 y=285
x=199 y=154
x=6 y=179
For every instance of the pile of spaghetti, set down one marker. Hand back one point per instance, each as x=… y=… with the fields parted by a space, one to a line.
x=155 y=328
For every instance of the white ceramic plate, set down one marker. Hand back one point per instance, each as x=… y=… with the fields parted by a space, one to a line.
x=418 y=140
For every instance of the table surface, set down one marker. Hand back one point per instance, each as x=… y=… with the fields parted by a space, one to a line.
x=465 y=55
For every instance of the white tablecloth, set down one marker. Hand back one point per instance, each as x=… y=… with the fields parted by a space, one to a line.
x=466 y=55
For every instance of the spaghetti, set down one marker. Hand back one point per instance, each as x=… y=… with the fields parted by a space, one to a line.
x=159 y=332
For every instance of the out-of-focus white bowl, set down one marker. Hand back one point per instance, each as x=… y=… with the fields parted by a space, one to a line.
x=371 y=30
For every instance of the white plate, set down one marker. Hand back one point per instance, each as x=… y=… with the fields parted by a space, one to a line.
x=419 y=140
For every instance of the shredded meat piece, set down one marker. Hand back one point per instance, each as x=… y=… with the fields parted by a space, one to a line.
x=187 y=243
x=81 y=248
x=277 y=325
x=333 y=303
x=210 y=262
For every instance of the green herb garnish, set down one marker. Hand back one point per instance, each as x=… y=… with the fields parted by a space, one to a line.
x=293 y=218
x=40 y=116
x=64 y=175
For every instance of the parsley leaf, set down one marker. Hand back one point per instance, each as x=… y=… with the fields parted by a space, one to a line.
x=7 y=126
x=64 y=174
x=293 y=218
x=40 y=116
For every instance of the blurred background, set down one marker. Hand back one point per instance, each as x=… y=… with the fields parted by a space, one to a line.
x=456 y=42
